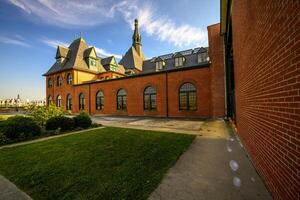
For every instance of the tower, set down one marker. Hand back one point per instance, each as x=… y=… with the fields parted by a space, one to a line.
x=137 y=39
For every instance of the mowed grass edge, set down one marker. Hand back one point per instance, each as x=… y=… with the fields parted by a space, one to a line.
x=109 y=163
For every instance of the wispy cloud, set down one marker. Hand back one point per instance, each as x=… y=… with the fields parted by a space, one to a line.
x=100 y=51
x=69 y=14
x=14 y=40
x=54 y=43
x=160 y=26
x=104 y=53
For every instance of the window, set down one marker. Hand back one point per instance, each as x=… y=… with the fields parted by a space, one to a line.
x=93 y=62
x=202 y=57
x=179 y=61
x=113 y=68
x=58 y=101
x=121 y=100
x=159 y=65
x=69 y=102
x=69 y=79
x=49 y=100
x=58 y=81
x=49 y=82
x=81 y=101
x=187 y=97
x=99 y=100
x=149 y=98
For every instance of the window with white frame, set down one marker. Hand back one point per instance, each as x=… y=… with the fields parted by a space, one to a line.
x=202 y=57
x=159 y=65
x=179 y=61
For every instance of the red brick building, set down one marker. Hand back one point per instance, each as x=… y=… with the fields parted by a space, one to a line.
x=262 y=56
x=189 y=83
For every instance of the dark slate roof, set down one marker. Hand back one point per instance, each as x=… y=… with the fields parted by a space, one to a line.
x=131 y=59
x=106 y=61
x=62 y=52
x=191 y=59
x=75 y=59
x=87 y=52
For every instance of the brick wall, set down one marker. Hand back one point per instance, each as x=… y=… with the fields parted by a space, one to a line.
x=266 y=49
x=135 y=90
x=216 y=55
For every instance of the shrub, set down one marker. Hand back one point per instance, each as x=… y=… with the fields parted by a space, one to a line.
x=3 y=139
x=61 y=122
x=95 y=125
x=42 y=113
x=83 y=120
x=20 y=127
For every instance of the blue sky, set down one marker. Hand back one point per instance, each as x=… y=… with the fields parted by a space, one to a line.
x=31 y=29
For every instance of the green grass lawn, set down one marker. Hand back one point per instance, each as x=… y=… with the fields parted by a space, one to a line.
x=109 y=163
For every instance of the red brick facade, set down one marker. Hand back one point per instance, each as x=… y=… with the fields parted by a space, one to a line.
x=266 y=54
x=164 y=83
x=208 y=79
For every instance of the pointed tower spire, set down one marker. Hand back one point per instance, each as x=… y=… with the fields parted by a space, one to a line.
x=137 y=39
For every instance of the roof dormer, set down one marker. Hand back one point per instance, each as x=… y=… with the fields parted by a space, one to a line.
x=62 y=54
x=159 y=63
x=179 y=59
x=91 y=58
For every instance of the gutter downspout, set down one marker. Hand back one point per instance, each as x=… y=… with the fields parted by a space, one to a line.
x=90 y=99
x=167 y=95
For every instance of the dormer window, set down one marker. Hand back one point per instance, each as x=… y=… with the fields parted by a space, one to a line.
x=160 y=65
x=93 y=62
x=202 y=57
x=60 y=60
x=179 y=61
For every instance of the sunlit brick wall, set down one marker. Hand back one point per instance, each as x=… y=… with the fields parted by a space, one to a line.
x=266 y=48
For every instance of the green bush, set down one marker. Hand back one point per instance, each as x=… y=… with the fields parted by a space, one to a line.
x=3 y=139
x=61 y=122
x=42 y=113
x=20 y=128
x=83 y=120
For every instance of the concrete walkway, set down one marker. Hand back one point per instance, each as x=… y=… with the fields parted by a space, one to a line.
x=188 y=126
x=214 y=167
x=8 y=191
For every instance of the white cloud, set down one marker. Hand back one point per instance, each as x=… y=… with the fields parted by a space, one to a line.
x=104 y=53
x=76 y=13
x=54 y=43
x=162 y=27
x=101 y=52
x=14 y=41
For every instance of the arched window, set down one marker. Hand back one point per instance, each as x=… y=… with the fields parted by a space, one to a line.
x=49 y=82
x=81 y=101
x=187 y=97
x=58 y=81
x=69 y=79
x=99 y=100
x=69 y=102
x=149 y=98
x=49 y=100
x=58 y=101
x=121 y=100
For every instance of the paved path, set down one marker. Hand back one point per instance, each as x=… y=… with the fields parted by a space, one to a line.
x=214 y=167
x=8 y=191
x=188 y=126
